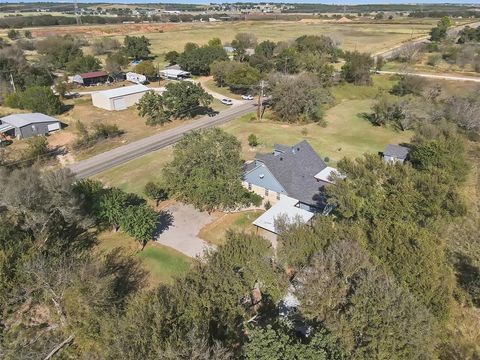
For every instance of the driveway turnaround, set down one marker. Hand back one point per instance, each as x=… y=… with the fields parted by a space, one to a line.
x=182 y=233
x=122 y=154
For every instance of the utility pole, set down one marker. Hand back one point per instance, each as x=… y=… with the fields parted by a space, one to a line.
x=77 y=16
x=260 y=100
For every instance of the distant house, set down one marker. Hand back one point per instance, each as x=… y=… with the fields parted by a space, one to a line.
x=120 y=98
x=91 y=78
x=174 y=73
x=28 y=125
x=291 y=171
x=395 y=153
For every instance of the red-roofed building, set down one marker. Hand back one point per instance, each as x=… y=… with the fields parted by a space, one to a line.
x=91 y=78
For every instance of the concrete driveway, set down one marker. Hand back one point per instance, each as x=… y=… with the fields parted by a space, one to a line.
x=182 y=233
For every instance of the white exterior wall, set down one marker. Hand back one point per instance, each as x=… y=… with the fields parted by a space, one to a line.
x=101 y=101
x=131 y=99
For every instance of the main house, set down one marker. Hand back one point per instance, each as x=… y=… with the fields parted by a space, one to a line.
x=290 y=171
x=293 y=179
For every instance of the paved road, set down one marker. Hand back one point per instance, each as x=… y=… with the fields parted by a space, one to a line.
x=122 y=154
x=432 y=76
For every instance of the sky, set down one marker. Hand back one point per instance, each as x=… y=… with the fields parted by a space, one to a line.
x=334 y=2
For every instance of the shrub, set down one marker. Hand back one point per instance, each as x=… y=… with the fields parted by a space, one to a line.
x=433 y=60
x=37 y=99
x=252 y=140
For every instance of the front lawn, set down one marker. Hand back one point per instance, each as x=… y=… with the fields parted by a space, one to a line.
x=162 y=263
x=214 y=233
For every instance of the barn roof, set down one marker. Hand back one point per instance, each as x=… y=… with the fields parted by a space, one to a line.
x=20 y=120
x=94 y=74
x=126 y=90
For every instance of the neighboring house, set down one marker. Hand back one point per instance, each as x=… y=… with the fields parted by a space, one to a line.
x=291 y=171
x=120 y=98
x=28 y=125
x=395 y=153
x=174 y=72
x=91 y=78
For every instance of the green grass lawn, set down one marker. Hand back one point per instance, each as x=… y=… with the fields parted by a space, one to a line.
x=133 y=175
x=161 y=262
x=214 y=232
x=211 y=85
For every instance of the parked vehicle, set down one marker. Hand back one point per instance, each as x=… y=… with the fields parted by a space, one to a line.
x=247 y=97
x=227 y=102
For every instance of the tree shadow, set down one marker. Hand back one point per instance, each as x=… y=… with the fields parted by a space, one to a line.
x=66 y=108
x=369 y=117
x=165 y=220
x=468 y=277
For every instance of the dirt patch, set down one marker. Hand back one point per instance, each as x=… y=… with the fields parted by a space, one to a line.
x=61 y=138
x=103 y=30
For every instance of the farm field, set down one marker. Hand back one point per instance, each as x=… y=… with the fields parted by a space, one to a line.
x=369 y=37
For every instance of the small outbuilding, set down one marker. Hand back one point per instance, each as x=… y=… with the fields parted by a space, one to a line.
x=395 y=153
x=91 y=78
x=120 y=98
x=28 y=125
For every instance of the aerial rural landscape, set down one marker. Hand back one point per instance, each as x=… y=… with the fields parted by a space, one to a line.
x=239 y=181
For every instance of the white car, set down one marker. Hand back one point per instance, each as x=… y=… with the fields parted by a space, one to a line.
x=247 y=97
x=227 y=101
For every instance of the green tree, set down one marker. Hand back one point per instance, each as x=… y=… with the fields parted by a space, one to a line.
x=240 y=77
x=13 y=34
x=82 y=64
x=156 y=192
x=115 y=62
x=146 y=68
x=374 y=317
x=185 y=99
x=151 y=107
x=297 y=98
x=439 y=32
x=357 y=68
x=206 y=170
x=172 y=57
x=198 y=59
x=140 y=222
x=37 y=99
x=137 y=47
x=273 y=344
x=252 y=140
x=112 y=205
x=60 y=50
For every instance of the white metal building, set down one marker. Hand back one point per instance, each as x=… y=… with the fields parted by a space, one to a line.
x=174 y=74
x=118 y=99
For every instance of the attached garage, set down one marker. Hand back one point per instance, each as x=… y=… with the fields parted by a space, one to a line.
x=119 y=99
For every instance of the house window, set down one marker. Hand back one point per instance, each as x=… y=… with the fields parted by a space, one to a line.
x=249 y=186
x=266 y=192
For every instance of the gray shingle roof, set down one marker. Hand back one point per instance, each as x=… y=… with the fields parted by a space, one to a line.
x=21 y=120
x=396 y=151
x=295 y=170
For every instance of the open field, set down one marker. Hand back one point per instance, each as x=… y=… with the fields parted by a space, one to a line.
x=370 y=37
x=162 y=263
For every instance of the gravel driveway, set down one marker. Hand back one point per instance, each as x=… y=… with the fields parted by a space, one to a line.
x=182 y=233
